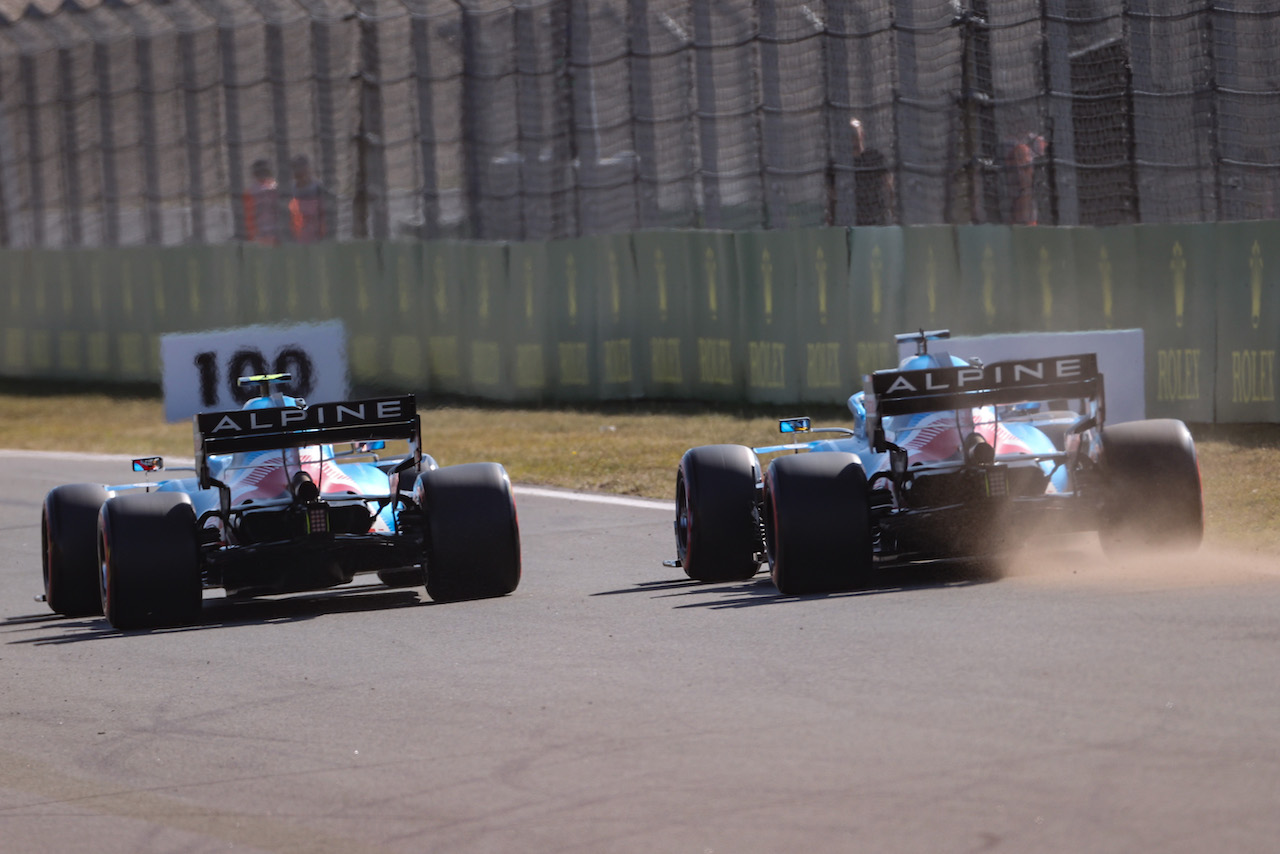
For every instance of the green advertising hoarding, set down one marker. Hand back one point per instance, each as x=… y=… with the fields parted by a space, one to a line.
x=1107 y=288
x=571 y=270
x=71 y=319
x=827 y=370
x=405 y=294
x=877 y=299
x=128 y=288
x=931 y=278
x=359 y=295
x=261 y=296
x=443 y=316
x=665 y=312
x=767 y=276
x=529 y=321
x=1044 y=279
x=988 y=299
x=715 y=296
x=1248 y=321
x=617 y=318
x=482 y=274
x=1177 y=270
x=46 y=273
x=17 y=298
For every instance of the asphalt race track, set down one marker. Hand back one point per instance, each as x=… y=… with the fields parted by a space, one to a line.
x=610 y=705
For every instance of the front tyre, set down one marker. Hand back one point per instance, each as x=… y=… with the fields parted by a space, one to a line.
x=717 y=531
x=1153 y=498
x=817 y=522
x=473 y=536
x=69 y=548
x=149 y=558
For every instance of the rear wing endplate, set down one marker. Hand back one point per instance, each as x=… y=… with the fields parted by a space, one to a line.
x=247 y=430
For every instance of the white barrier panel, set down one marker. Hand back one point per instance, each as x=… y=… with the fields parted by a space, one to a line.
x=199 y=369
x=1120 y=359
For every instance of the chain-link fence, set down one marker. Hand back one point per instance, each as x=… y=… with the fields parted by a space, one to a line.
x=166 y=121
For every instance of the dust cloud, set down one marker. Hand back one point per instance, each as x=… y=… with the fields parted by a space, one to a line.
x=1079 y=559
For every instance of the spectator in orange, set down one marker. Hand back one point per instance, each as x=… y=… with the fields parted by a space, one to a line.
x=262 y=206
x=307 y=205
x=1020 y=162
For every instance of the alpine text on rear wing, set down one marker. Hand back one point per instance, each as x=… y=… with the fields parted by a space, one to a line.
x=999 y=383
x=245 y=430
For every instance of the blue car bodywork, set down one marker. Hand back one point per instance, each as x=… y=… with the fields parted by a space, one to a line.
x=283 y=497
x=946 y=459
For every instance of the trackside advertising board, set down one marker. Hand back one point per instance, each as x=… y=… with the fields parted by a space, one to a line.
x=200 y=369
x=1120 y=360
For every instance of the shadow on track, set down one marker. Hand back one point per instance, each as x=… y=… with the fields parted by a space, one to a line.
x=759 y=589
x=52 y=629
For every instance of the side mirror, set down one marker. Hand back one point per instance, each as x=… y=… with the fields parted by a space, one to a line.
x=795 y=425
x=148 y=464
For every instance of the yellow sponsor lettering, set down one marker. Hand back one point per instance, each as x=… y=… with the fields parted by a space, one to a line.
x=573 y=363
x=664 y=360
x=873 y=356
x=132 y=357
x=15 y=348
x=363 y=351
x=406 y=357
x=617 y=360
x=715 y=361
x=822 y=365
x=1253 y=376
x=69 y=351
x=1178 y=375
x=443 y=352
x=41 y=350
x=529 y=369
x=486 y=362
x=767 y=362
x=99 y=352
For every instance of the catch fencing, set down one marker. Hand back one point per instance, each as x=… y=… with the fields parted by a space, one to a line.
x=133 y=123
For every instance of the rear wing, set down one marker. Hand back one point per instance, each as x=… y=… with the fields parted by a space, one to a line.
x=246 y=430
x=894 y=392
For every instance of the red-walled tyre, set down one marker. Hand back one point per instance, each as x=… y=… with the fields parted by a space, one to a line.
x=717 y=528
x=817 y=522
x=69 y=548
x=149 y=558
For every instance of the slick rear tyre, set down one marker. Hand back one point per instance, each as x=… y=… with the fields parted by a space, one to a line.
x=817 y=522
x=1153 y=498
x=717 y=532
x=149 y=558
x=69 y=548
x=473 y=536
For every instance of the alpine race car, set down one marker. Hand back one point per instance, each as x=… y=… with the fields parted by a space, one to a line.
x=947 y=459
x=272 y=507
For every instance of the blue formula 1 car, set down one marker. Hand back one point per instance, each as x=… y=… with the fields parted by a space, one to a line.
x=947 y=459
x=272 y=507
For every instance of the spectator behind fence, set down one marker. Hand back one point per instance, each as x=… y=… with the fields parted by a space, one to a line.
x=1020 y=165
x=307 y=205
x=262 y=206
x=873 y=182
